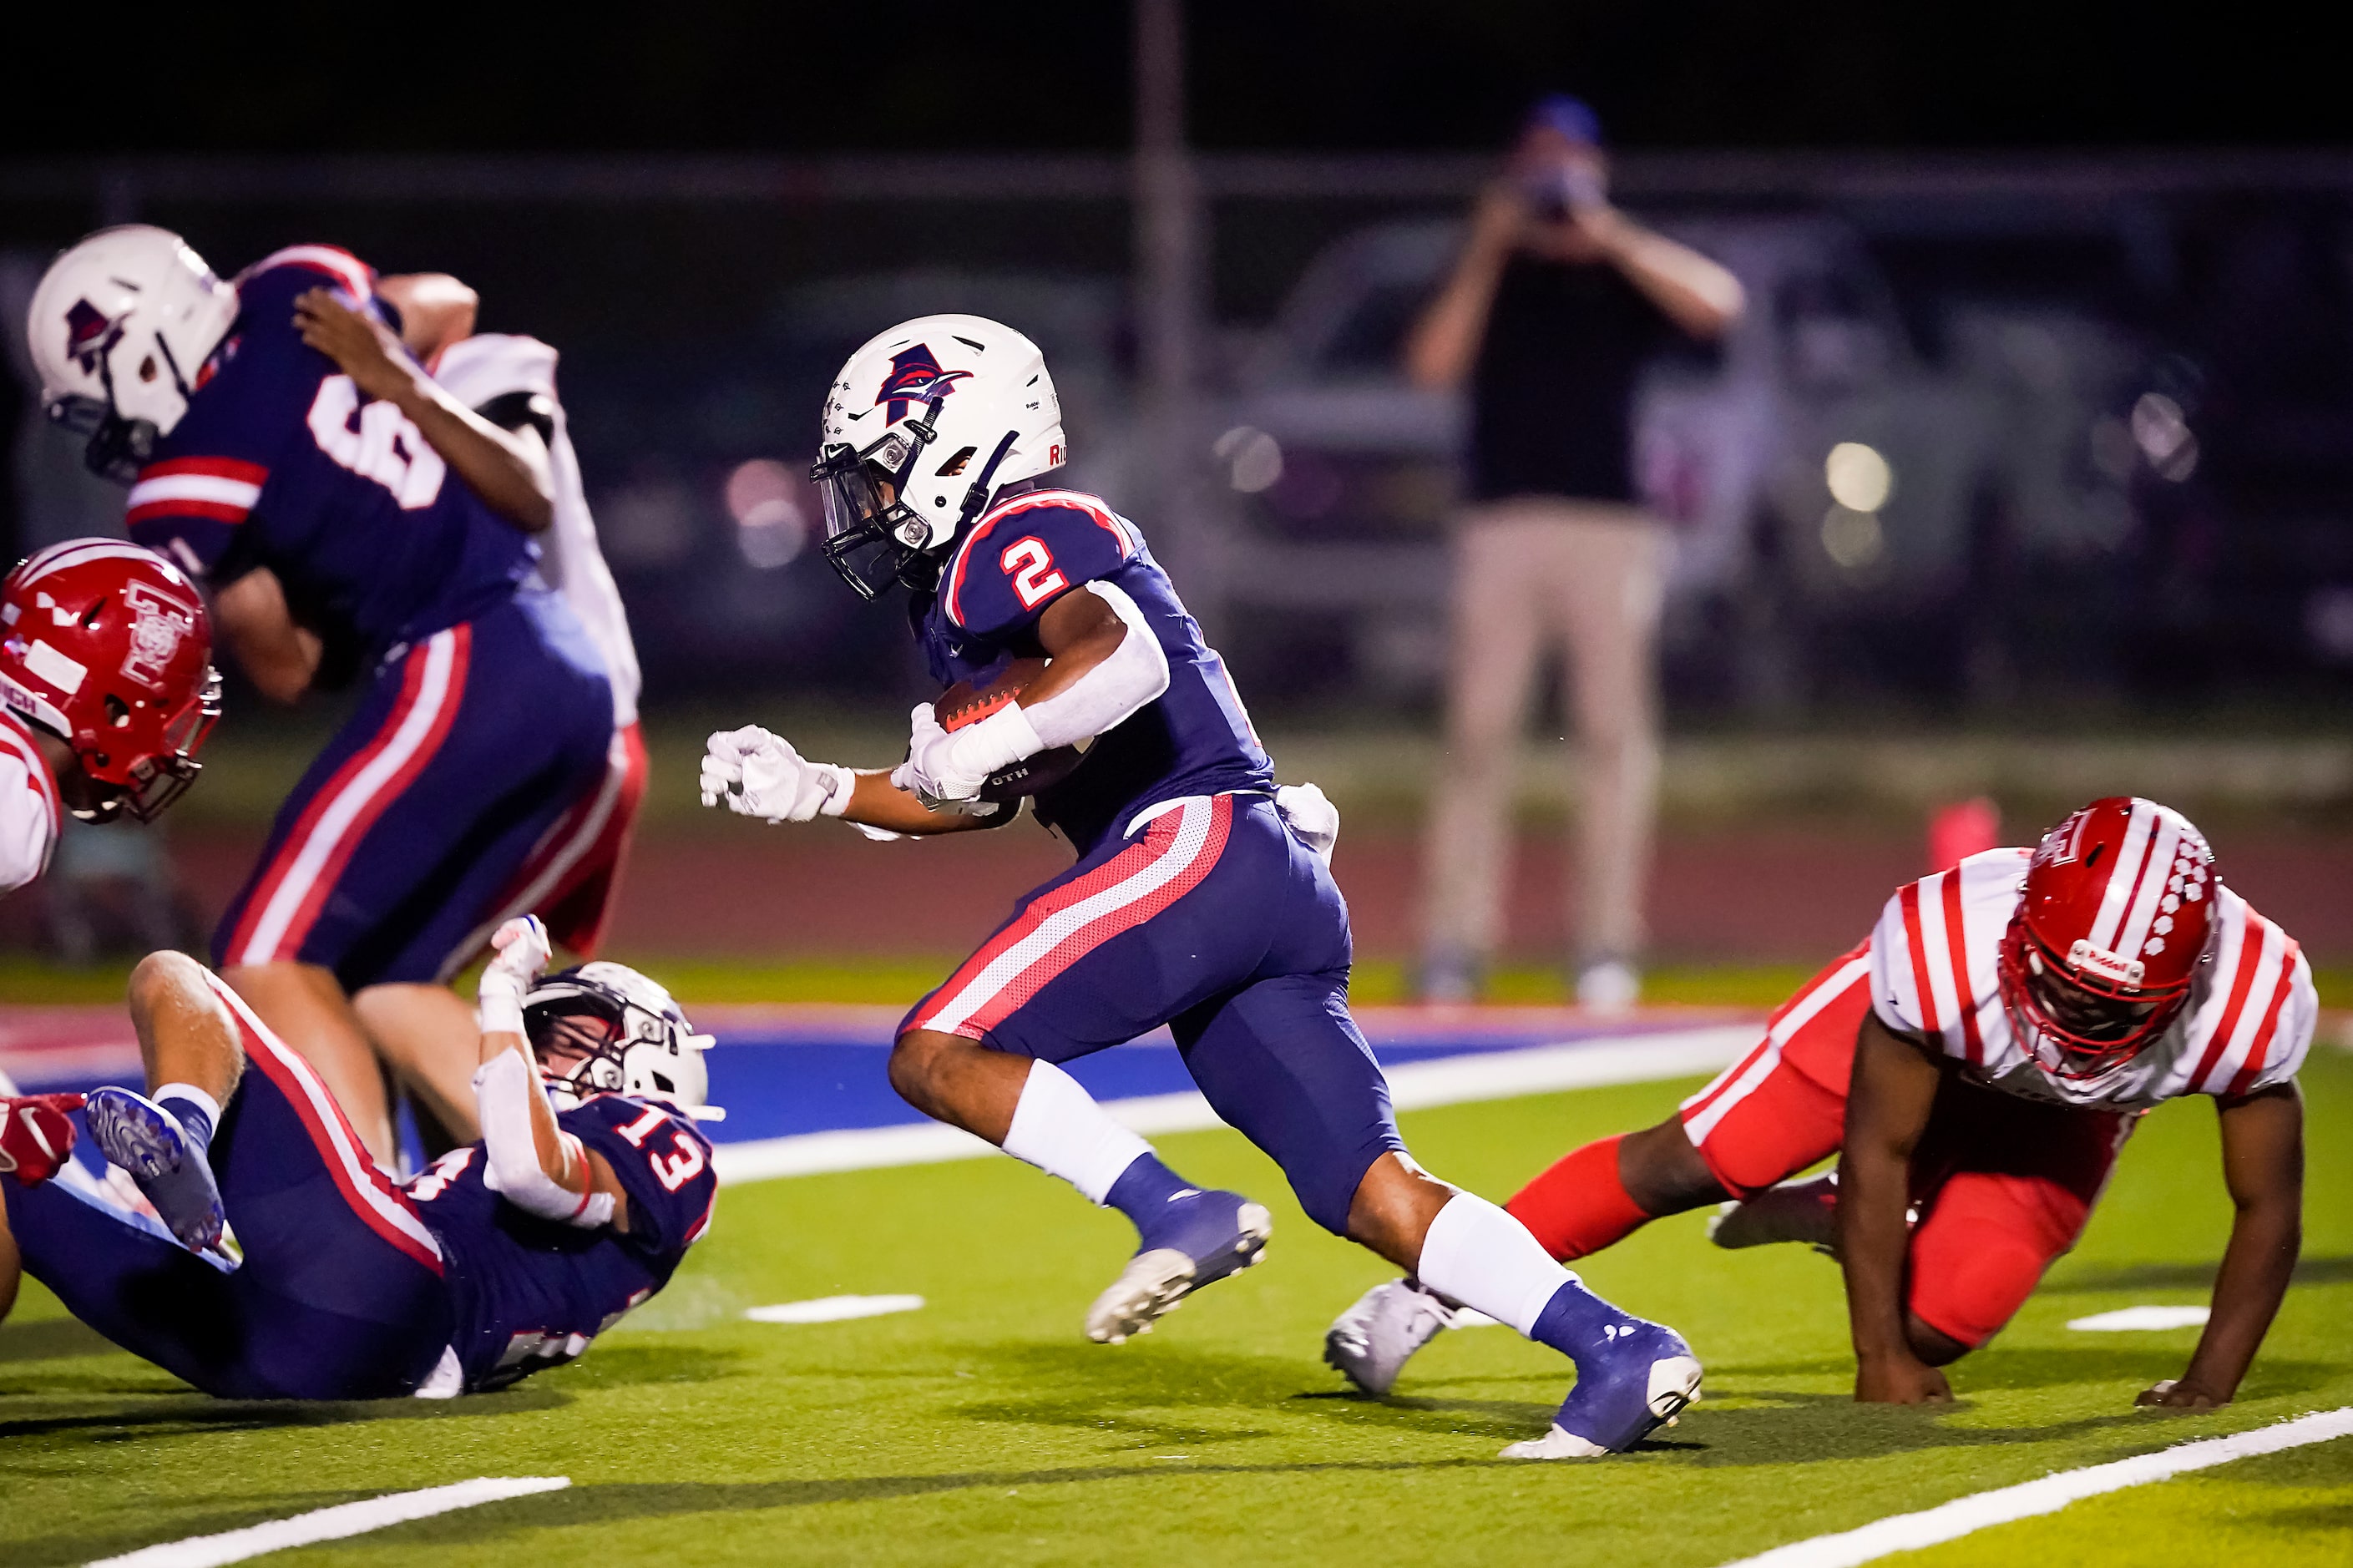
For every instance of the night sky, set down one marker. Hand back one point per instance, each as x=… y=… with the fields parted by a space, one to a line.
x=1309 y=74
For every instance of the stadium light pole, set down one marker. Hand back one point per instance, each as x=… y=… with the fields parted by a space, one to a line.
x=1169 y=233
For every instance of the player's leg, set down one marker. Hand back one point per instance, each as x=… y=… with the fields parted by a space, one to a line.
x=1609 y=596
x=1496 y=642
x=190 y=1048
x=1767 y=1117
x=1133 y=934
x=416 y=1029
x=2005 y=1187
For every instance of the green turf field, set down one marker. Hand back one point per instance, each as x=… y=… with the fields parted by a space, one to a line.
x=984 y=1428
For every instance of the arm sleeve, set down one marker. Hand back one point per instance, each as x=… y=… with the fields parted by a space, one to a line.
x=662 y=1161
x=1136 y=673
x=1024 y=558
x=1894 y=983
x=28 y=824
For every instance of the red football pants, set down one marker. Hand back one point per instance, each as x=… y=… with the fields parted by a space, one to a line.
x=2003 y=1185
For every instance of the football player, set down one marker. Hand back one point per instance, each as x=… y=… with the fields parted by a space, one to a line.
x=1198 y=902
x=1978 y=1065
x=335 y=546
x=507 y=1257
x=107 y=690
x=517 y=455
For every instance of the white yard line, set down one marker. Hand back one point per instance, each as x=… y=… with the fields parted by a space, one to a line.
x=331 y=1523
x=834 y=1308
x=1414 y=1085
x=1962 y=1516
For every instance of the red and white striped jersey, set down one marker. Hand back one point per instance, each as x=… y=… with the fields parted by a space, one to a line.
x=2247 y=1025
x=28 y=807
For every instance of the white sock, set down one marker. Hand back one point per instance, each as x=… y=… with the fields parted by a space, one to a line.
x=1482 y=1256
x=1058 y=1127
x=194 y=1096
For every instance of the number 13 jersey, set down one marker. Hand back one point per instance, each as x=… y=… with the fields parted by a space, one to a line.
x=528 y=1293
x=280 y=462
x=1017 y=558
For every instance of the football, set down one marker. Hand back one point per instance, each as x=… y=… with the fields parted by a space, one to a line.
x=964 y=704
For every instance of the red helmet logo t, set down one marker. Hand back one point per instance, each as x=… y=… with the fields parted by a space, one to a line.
x=2114 y=919
x=107 y=647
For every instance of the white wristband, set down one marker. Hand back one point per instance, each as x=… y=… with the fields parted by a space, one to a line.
x=840 y=783
x=501 y=1006
x=997 y=742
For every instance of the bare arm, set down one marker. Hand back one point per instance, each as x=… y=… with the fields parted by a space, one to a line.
x=1888 y=1100
x=1444 y=343
x=435 y=310
x=279 y=656
x=1699 y=295
x=508 y=472
x=2262 y=1166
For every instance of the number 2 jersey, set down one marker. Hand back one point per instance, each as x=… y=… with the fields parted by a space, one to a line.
x=528 y=1293
x=1021 y=555
x=2247 y=1025
x=280 y=462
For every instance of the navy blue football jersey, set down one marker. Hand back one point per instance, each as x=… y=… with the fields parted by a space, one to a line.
x=528 y=1293
x=280 y=462
x=1020 y=556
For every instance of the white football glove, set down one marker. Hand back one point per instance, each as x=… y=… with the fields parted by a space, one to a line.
x=520 y=951
x=1310 y=814
x=945 y=771
x=757 y=773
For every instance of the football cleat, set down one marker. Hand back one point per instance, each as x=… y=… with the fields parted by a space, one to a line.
x=148 y=1141
x=1370 y=1342
x=1647 y=1378
x=1228 y=1235
x=1803 y=1211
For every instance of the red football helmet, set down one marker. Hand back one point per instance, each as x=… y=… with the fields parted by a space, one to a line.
x=2115 y=917
x=108 y=648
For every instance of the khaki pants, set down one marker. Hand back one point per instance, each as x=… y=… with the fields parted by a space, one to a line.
x=1532 y=575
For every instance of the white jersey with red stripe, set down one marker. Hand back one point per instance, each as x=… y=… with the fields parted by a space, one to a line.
x=30 y=816
x=2247 y=1025
x=490 y=365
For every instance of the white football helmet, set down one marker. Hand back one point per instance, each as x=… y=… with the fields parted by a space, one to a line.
x=120 y=326
x=623 y=1033
x=922 y=426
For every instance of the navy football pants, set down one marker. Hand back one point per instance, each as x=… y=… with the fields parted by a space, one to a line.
x=340 y=1295
x=1214 y=919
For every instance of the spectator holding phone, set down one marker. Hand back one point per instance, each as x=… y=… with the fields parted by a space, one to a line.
x=1556 y=305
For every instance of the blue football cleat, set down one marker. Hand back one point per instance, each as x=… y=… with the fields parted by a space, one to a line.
x=148 y=1141
x=1647 y=1376
x=1219 y=1234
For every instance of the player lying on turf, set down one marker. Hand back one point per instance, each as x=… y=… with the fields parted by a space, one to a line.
x=507 y=1257
x=1198 y=902
x=338 y=549
x=1978 y=1064
x=107 y=690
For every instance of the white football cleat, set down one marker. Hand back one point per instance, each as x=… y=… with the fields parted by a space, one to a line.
x=1370 y=1342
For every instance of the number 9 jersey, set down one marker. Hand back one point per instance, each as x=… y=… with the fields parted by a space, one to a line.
x=527 y=1293
x=280 y=463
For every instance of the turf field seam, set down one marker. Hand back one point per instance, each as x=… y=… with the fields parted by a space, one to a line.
x=337 y=1523
x=1967 y=1515
x=1413 y=1086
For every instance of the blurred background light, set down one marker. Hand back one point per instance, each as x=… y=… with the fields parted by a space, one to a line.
x=1859 y=478
x=2162 y=432
x=1854 y=536
x=767 y=501
x=1253 y=461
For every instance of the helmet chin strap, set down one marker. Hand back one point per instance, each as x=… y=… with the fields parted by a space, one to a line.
x=976 y=498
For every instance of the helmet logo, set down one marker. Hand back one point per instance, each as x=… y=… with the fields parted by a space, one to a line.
x=157 y=629
x=2107 y=965
x=87 y=332
x=915 y=377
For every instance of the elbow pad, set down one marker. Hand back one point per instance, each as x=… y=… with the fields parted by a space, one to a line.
x=504 y=1089
x=1135 y=673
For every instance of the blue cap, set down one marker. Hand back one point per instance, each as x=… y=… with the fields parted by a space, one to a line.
x=1571 y=117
